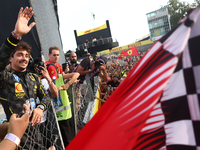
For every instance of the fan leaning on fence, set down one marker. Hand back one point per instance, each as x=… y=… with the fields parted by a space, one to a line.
x=89 y=68
x=61 y=102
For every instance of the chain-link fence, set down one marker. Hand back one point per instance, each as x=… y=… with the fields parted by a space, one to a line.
x=43 y=136
x=47 y=134
x=83 y=102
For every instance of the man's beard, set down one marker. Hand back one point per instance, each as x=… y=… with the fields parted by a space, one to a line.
x=73 y=61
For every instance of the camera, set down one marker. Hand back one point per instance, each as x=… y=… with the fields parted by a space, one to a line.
x=73 y=63
x=97 y=64
x=40 y=65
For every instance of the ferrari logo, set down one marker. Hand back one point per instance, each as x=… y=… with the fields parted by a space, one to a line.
x=130 y=52
x=121 y=55
x=52 y=72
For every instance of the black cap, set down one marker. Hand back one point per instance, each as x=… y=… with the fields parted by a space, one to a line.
x=103 y=59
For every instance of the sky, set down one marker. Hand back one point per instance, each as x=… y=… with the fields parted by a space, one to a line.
x=127 y=18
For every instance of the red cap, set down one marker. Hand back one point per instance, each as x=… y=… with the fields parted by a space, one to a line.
x=52 y=72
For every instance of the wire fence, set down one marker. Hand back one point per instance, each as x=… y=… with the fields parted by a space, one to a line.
x=47 y=134
x=83 y=102
x=43 y=136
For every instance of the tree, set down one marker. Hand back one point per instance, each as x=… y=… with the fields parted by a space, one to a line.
x=196 y=3
x=177 y=10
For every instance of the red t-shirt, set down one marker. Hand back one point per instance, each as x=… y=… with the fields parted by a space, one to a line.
x=58 y=66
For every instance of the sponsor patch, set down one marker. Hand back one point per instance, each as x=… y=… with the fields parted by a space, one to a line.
x=15 y=77
x=18 y=88
x=19 y=92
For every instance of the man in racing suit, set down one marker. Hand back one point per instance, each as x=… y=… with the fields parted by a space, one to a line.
x=17 y=86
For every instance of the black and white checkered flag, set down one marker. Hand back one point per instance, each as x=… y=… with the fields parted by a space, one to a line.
x=157 y=106
x=174 y=122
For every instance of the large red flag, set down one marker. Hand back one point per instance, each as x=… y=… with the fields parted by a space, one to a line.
x=157 y=105
x=131 y=52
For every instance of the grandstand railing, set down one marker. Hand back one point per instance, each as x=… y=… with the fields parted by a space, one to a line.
x=95 y=43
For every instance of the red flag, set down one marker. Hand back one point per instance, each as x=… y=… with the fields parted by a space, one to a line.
x=122 y=120
x=121 y=55
x=131 y=52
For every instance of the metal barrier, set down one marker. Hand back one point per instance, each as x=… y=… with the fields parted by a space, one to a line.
x=83 y=102
x=47 y=134
x=43 y=136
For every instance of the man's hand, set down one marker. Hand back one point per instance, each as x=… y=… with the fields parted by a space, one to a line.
x=18 y=125
x=52 y=148
x=45 y=72
x=37 y=116
x=102 y=67
x=64 y=87
x=21 y=26
x=76 y=81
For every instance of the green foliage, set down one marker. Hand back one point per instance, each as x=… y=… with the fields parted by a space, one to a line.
x=196 y=3
x=177 y=10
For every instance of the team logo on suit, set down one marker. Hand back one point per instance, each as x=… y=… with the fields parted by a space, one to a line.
x=19 y=92
x=16 y=78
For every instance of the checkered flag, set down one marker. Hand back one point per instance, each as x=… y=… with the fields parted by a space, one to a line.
x=157 y=105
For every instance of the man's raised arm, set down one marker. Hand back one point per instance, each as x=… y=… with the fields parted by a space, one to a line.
x=21 y=28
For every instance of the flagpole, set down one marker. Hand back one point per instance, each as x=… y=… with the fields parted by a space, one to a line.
x=93 y=19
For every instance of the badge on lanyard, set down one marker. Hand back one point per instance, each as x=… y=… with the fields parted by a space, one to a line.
x=32 y=103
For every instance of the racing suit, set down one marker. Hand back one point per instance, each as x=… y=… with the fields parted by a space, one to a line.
x=18 y=88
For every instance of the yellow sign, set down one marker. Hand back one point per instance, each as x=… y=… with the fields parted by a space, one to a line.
x=157 y=32
x=80 y=33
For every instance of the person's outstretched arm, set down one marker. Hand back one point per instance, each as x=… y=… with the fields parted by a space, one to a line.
x=21 y=28
x=16 y=128
x=73 y=77
x=52 y=86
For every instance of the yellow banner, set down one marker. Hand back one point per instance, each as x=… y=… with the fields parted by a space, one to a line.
x=80 y=33
x=125 y=47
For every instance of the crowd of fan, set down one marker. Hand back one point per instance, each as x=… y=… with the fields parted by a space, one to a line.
x=117 y=72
